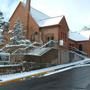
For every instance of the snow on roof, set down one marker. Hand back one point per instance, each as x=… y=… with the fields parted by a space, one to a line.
x=41 y=18
x=77 y=36
x=39 y=51
x=50 y=21
x=44 y=20
x=85 y=33
x=37 y=15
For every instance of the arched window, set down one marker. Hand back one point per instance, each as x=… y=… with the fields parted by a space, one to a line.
x=80 y=47
x=49 y=36
x=36 y=33
x=52 y=37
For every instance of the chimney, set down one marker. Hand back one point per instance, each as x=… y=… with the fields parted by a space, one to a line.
x=28 y=17
x=28 y=5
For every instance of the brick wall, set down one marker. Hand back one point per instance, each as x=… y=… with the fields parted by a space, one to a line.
x=21 y=14
x=46 y=58
x=85 y=46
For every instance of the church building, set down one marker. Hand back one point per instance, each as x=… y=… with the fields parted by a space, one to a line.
x=40 y=27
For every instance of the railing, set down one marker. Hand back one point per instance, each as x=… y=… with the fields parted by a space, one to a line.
x=50 y=43
x=44 y=48
x=24 y=49
x=39 y=50
x=79 y=55
x=78 y=51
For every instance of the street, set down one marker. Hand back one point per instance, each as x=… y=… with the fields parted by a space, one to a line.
x=74 y=79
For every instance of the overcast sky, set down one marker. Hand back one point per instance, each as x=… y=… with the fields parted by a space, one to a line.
x=76 y=11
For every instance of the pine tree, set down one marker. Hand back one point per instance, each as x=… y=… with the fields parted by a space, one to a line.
x=1 y=28
x=18 y=33
x=4 y=28
x=1 y=20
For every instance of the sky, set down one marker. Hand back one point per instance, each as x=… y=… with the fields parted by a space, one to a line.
x=76 y=11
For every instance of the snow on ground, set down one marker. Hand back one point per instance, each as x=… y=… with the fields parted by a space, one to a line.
x=49 y=71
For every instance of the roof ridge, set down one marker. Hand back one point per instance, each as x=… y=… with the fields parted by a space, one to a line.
x=51 y=17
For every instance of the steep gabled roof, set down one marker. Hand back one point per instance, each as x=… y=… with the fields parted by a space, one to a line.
x=37 y=15
x=50 y=21
x=41 y=19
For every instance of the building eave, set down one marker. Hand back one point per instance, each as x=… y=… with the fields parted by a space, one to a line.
x=50 y=26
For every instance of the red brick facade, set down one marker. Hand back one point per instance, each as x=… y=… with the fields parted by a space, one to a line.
x=21 y=14
x=53 y=32
x=34 y=32
x=56 y=32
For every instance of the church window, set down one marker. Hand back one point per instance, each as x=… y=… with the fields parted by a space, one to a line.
x=36 y=33
x=52 y=38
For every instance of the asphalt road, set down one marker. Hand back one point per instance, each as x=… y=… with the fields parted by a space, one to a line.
x=75 y=79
